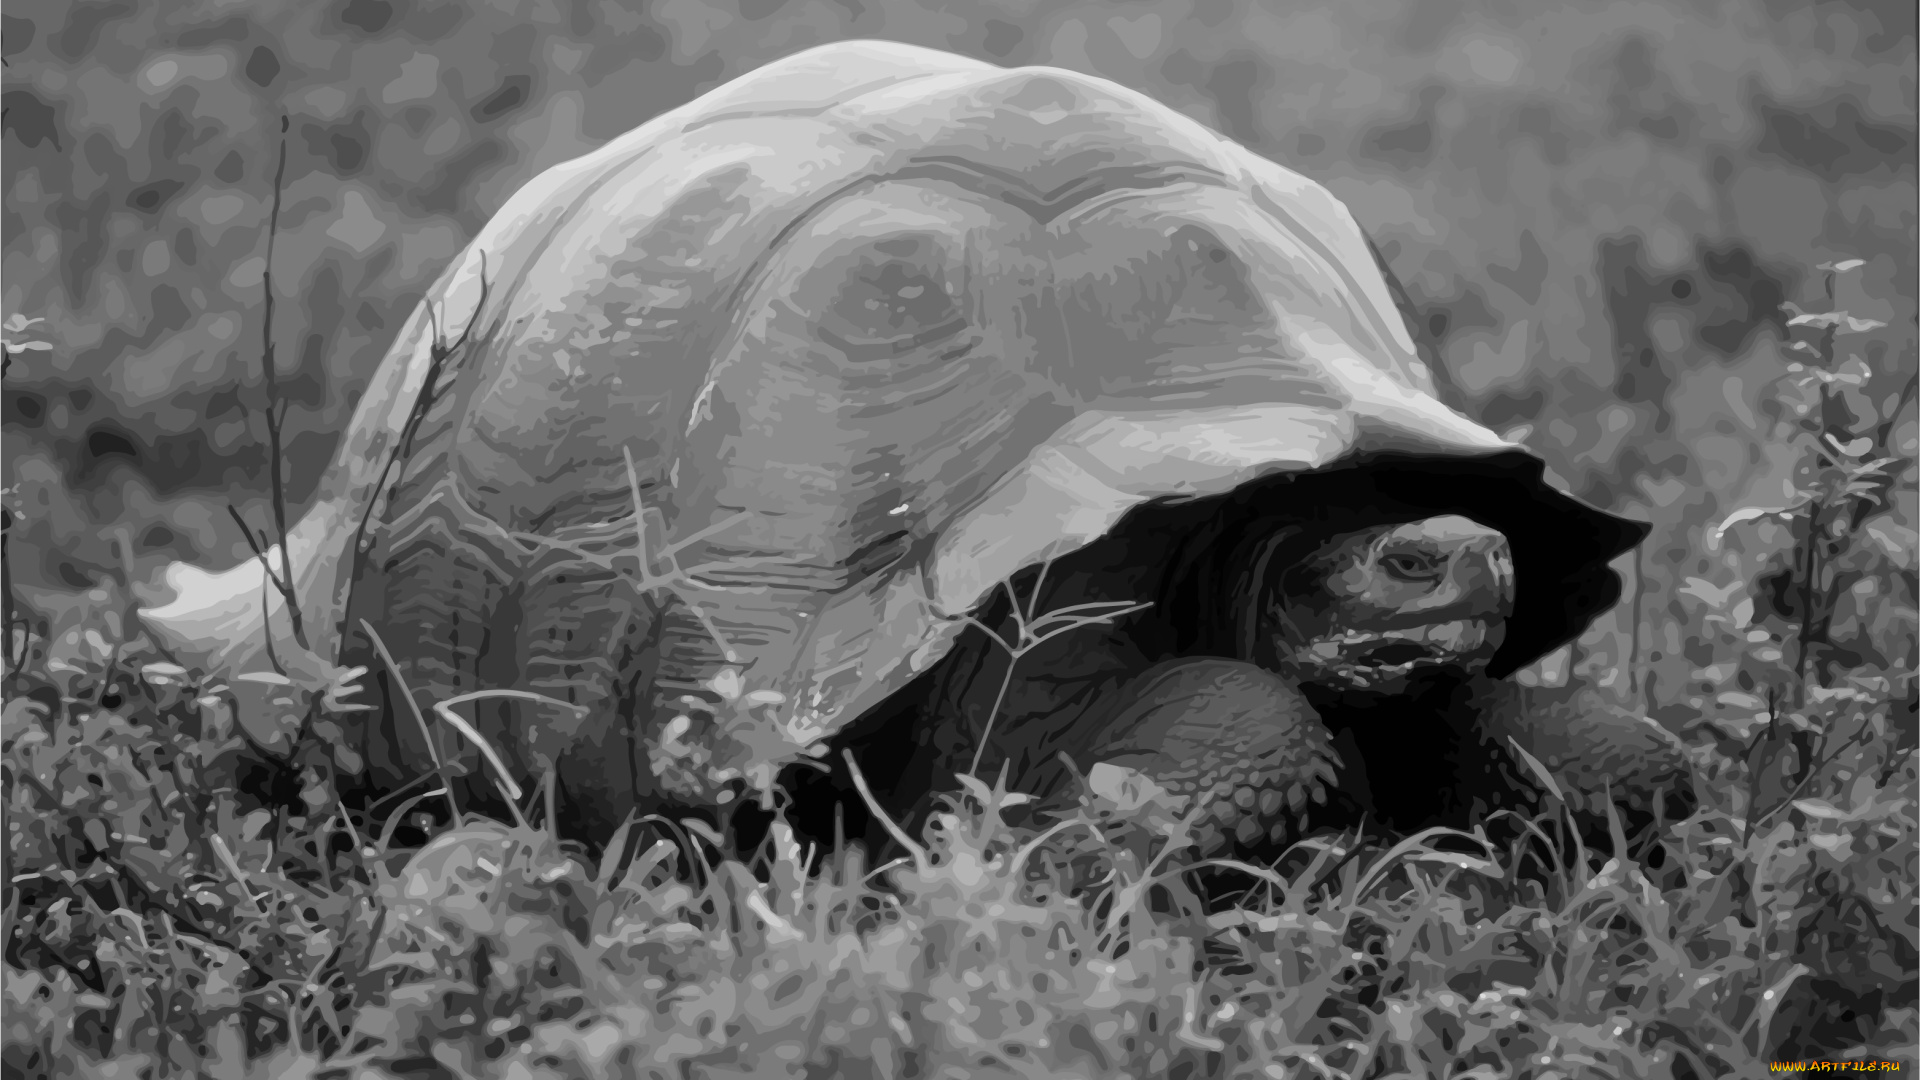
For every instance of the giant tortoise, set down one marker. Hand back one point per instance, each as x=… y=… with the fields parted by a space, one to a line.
x=735 y=437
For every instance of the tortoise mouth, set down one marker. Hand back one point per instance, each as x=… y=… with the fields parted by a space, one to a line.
x=1396 y=654
x=1384 y=659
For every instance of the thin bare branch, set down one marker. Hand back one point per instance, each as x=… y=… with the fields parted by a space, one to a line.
x=276 y=436
x=266 y=623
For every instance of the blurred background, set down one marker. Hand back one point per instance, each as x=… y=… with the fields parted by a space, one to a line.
x=1598 y=209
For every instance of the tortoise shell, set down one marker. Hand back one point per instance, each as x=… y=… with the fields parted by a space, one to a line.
x=717 y=433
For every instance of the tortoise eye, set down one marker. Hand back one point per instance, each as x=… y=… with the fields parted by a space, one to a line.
x=888 y=311
x=1406 y=567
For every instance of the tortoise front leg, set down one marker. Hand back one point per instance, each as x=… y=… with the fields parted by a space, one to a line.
x=1591 y=747
x=1232 y=735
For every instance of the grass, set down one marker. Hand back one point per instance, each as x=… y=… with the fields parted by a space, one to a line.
x=186 y=894
x=163 y=918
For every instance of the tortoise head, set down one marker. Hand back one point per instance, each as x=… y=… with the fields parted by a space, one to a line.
x=1369 y=608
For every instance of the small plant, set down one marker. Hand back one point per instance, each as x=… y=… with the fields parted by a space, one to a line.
x=1032 y=629
x=1845 y=474
x=1788 y=614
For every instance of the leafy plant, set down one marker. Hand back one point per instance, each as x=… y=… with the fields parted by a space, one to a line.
x=1843 y=479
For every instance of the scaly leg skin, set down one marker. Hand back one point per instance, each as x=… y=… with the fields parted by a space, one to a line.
x=1592 y=746
x=1231 y=734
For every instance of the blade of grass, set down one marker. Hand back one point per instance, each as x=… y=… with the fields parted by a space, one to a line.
x=232 y=864
x=444 y=709
x=419 y=718
x=921 y=860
